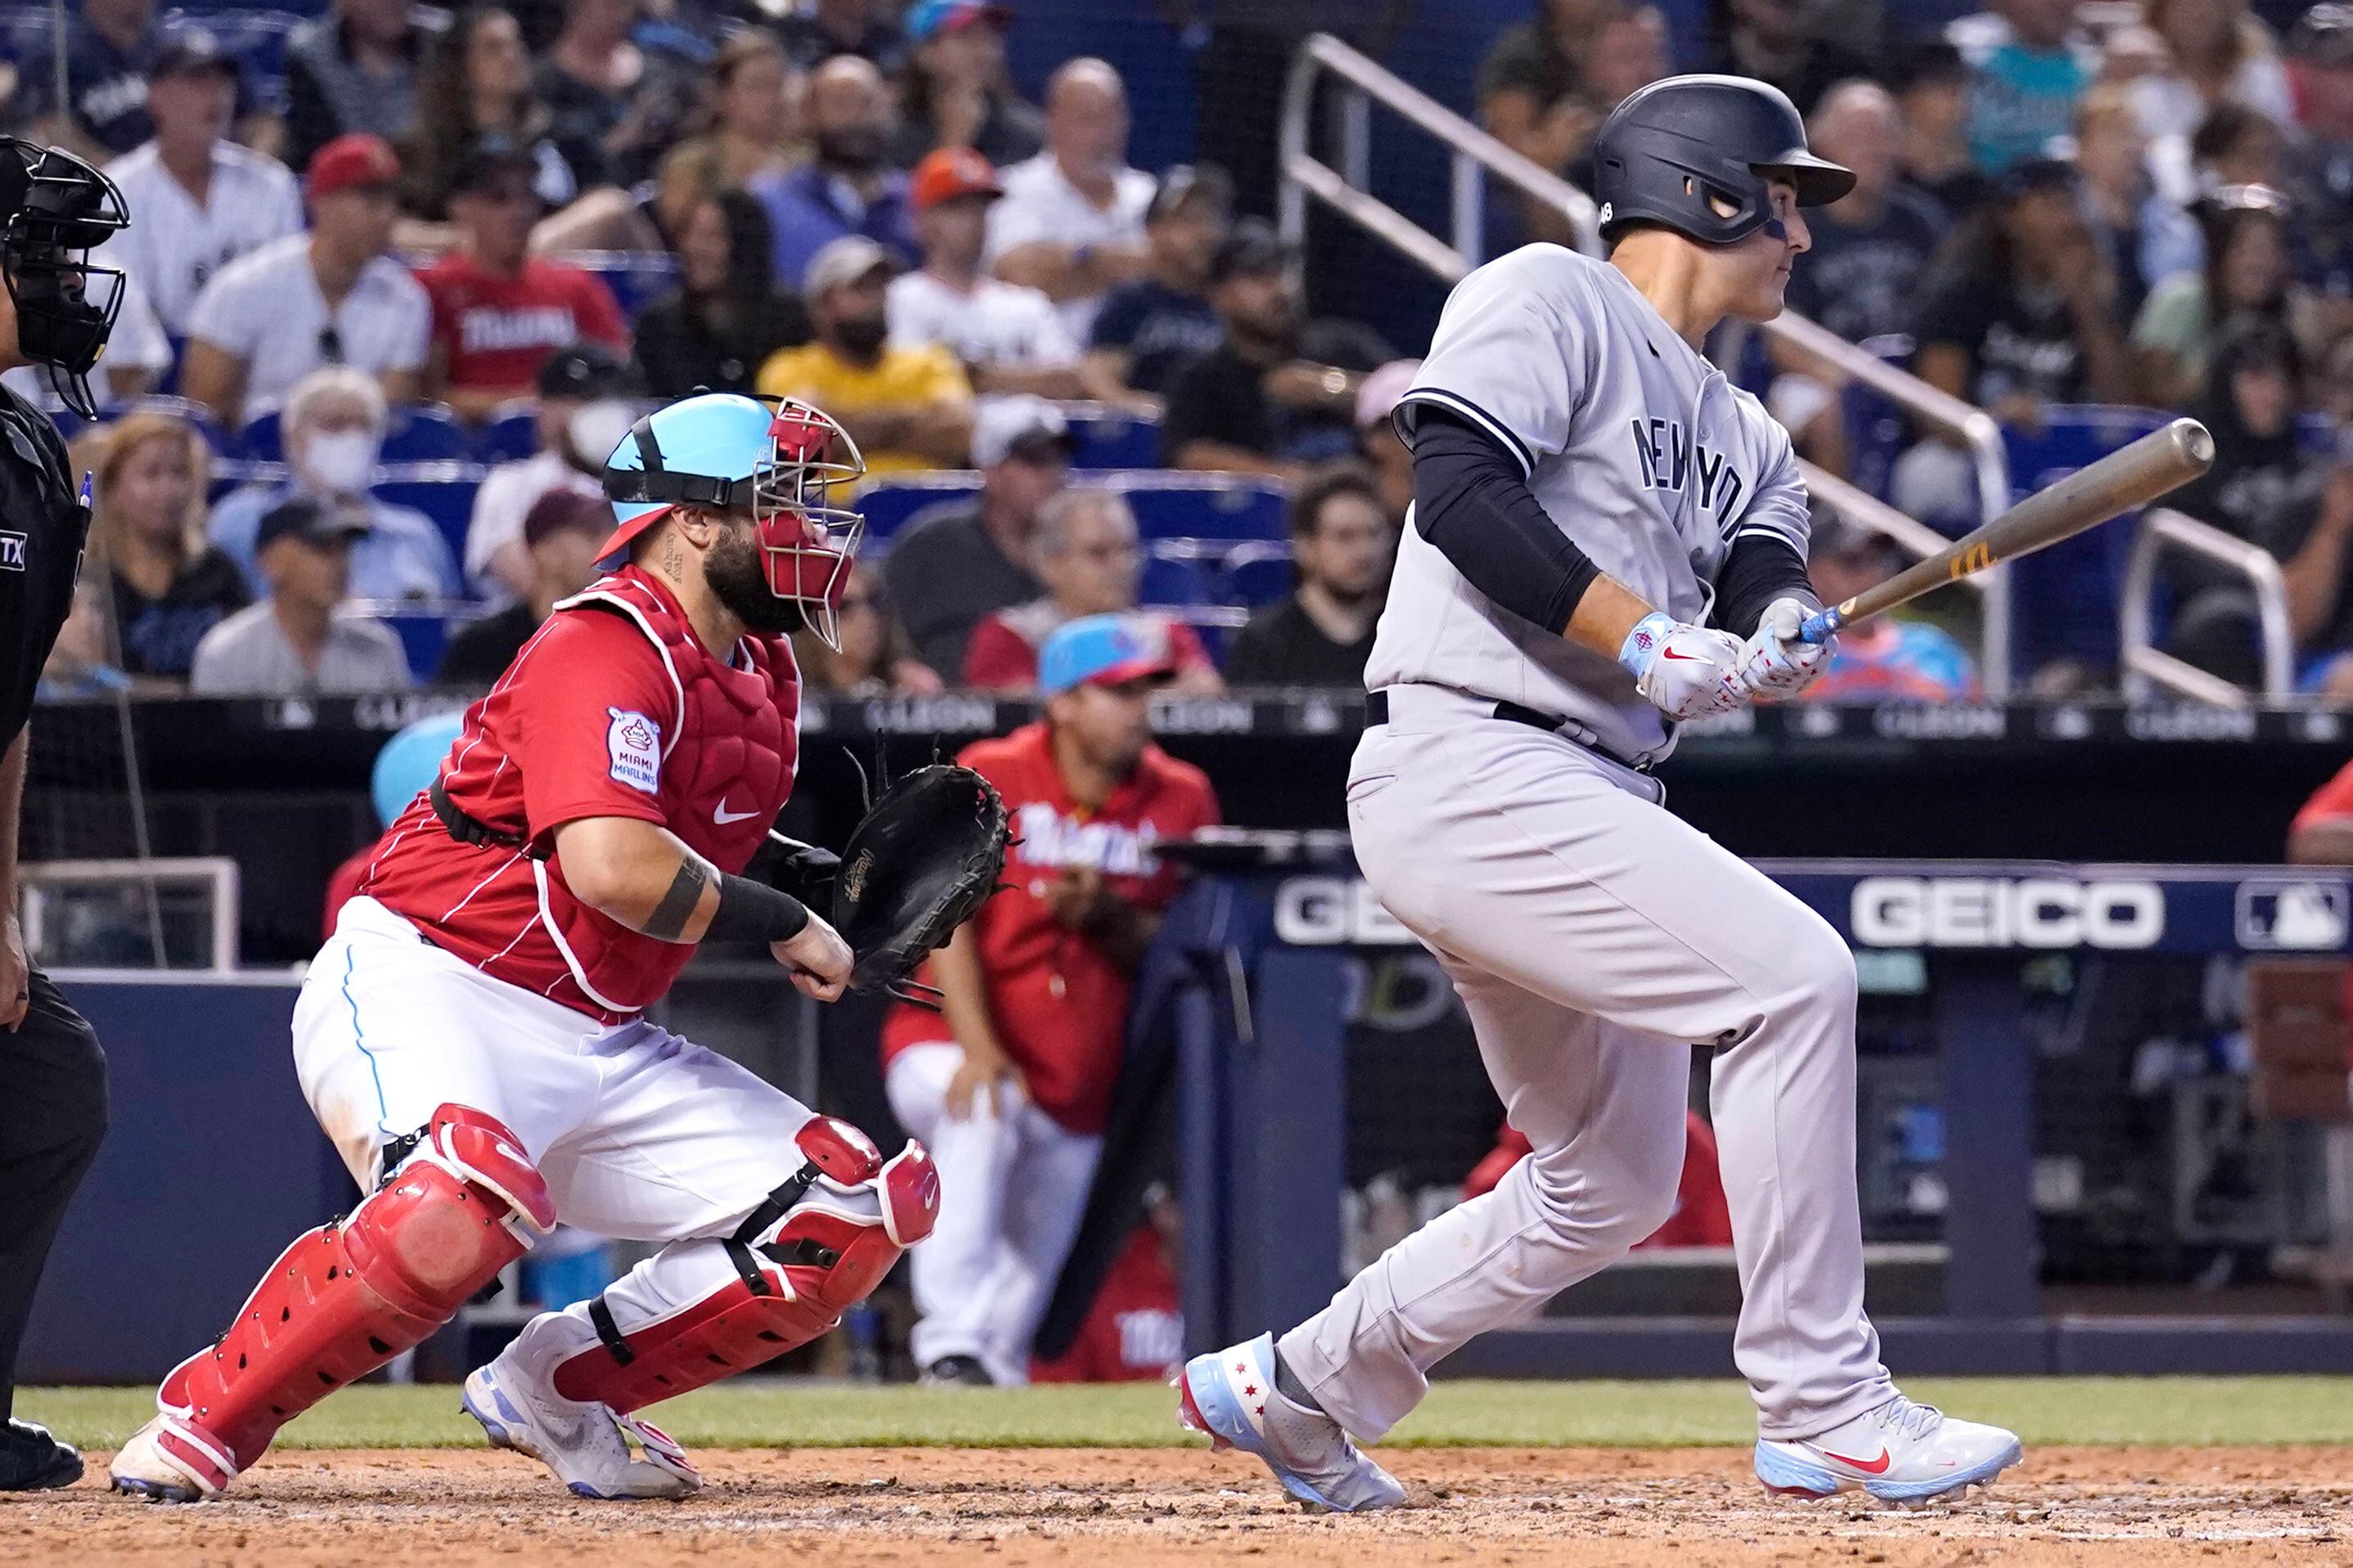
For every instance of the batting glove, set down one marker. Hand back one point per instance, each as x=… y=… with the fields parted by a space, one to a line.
x=1685 y=671
x=1774 y=665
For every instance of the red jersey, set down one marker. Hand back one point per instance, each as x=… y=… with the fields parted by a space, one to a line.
x=1702 y=1218
x=494 y=332
x=2330 y=802
x=1134 y=1331
x=614 y=708
x=1059 y=1003
x=1001 y=656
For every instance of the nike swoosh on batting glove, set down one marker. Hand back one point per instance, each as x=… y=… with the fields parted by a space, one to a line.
x=1685 y=671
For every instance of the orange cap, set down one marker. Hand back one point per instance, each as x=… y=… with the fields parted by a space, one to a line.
x=947 y=173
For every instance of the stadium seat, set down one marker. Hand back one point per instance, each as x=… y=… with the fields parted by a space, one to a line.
x=2063 y=599
x=195 y=414
x=1202 y=506
x=1255 y=573
x=889 y=503
x=1108 y=437
x=512 y=432
x=1176 y=571
x=424 y=631
x=417 y=433
x=636 y=277
x=442 y=491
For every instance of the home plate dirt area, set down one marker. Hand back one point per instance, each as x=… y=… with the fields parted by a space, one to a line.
x=1693 y=1508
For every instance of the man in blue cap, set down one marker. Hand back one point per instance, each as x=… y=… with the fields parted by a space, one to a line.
x=1010 y=1084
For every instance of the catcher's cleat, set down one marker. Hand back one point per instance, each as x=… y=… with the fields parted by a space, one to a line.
x=957 y=1372
x=1899 y=1452
x=31 y=1460
x=173 y=1459
x=587 y=1445
x=1231 y=1396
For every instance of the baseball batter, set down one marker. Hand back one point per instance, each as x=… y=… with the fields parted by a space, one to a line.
x=1589 y=488
x=471 y=1037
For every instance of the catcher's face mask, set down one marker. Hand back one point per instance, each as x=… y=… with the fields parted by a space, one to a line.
x=809 y=534
x=54 y=209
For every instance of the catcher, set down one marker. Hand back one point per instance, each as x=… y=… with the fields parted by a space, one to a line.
x=1010 y=1083
x=471 y=1037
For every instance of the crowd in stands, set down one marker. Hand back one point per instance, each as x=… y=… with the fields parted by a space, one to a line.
x=850 y=201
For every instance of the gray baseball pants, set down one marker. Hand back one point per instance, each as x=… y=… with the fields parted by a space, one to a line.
x=1593 y=938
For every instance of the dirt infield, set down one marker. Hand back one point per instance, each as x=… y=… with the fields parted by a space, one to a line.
x=1695 y=1507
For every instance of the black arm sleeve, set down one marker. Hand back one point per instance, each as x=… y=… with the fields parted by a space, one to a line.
x=1469 y=500
x=1759 y=569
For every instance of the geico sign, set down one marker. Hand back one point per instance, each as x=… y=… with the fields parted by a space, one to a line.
x=1326 y=911
x=1999 y=911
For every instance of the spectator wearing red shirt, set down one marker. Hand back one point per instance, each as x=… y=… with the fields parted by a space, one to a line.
x=499 y=312
x=1084 y=549
x=1011 y=1083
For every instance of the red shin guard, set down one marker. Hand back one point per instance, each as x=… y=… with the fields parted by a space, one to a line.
x=845 y=1219
x=347 y=1298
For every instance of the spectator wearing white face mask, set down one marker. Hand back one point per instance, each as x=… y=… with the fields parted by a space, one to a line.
x=587 y=401
x=333 y=427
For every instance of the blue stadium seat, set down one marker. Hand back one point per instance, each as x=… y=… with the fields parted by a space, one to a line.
x=195 y=414
x=1176 y=571
x=1256 y=574
x=889 y=503
x=424 y=632
x=1202 y=506
x=1112 y=437
x=2063 y=599
x=426 y=433
x=636 y=277
x=260 y=440
x=512 y=432
x=442 y=491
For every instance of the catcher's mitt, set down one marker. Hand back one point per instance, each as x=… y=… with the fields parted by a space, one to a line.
x=920 y=864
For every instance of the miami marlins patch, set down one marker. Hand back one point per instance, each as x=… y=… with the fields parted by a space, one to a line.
x=634 y=742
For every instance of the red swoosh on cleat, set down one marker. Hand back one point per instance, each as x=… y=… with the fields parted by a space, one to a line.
x=1868 y=1467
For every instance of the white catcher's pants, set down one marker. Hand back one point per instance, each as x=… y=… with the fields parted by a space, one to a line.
x=638 y=1132
x=1013 y=1188
x=1593 y=938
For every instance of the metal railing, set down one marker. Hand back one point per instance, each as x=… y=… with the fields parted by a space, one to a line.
x=1908 y=533
x=1364 y=82
x=2145 y=665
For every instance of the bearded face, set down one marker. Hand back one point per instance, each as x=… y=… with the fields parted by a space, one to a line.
x=739 y=577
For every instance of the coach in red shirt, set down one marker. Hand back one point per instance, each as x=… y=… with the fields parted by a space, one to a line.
x=499 y=311
x=1011 y=1083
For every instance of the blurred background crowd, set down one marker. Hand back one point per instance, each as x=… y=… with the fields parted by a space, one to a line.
x=420 y=267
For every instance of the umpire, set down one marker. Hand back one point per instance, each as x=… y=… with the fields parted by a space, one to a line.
x=54 y=208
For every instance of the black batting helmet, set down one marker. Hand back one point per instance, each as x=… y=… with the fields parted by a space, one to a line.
x=1675 y=148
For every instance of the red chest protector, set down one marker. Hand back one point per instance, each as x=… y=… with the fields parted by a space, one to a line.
x=726 y=769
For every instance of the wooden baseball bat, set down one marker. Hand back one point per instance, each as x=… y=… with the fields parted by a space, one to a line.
x=2129 y=476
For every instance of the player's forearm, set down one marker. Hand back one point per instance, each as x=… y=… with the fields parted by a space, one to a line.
x=640 y=874
x=964 y=1003
x=12 y=802
x=942 y=431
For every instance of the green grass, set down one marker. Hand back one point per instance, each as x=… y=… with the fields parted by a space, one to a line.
x=793 y=1414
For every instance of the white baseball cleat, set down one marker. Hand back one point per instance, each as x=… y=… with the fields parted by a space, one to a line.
x=587 y=1445
x=1898 y=1452
x=1231 y=1396
x=172 y=1459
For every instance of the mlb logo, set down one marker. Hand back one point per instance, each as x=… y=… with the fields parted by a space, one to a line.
x=2302 y=915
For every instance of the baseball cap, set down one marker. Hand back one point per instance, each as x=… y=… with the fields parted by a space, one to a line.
x=2323 y=36
x=1189 y=183
x=187 y=47
x=487 y=160
x=586 y=372
x=1105 y=651
x=354 y=158
x=1383 y=390
x=843 y=260
x=929 y=18
x=947 y=173
x=309 y=518
x=563 y=508
x=1022 y=425
x=1252 y=247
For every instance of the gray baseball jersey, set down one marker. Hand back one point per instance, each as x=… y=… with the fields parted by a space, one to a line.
x=1634 y=445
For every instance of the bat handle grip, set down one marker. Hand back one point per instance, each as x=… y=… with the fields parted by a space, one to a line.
x=1821 y=625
